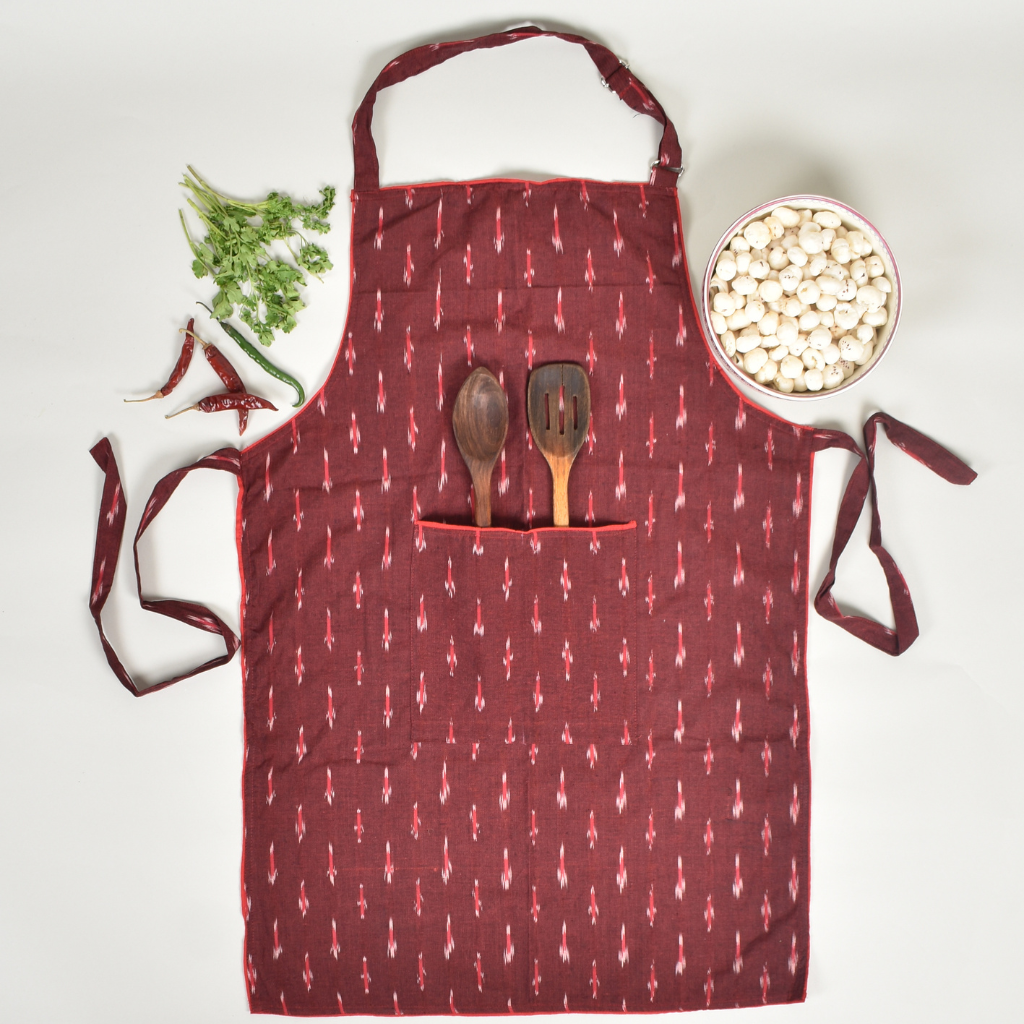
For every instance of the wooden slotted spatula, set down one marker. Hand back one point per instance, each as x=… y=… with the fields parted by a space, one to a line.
x=558 y=408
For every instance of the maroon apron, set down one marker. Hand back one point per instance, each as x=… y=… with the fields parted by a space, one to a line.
x=525 y=768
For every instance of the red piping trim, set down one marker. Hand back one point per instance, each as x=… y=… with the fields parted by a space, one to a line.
x=446 y=183
x=491 y=530
x=245 y=741
x=807 y=704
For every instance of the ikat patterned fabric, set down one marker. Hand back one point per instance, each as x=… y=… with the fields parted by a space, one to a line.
x=523 y=769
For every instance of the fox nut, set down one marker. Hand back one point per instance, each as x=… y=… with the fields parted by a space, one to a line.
x=841 y=251
x=791 y=367
x=790 y=278
x=808 y=292
x=754 y=308
x=813 y=359
x=787 y=217
x=874 y=266
x=832 y=376
x=725 y=268
x=866 y=354
x=828 y=285
x=810 y=241
x=786 y=332
x=797 y=256
x=754 y=360
x=768 y=324
x=816 y=265
x=749 y=338
x=724 y=303
x=859 y=243
x=819 y=338
x=758 y=234
x=850 y=348
x=848 y=290
x=870 y=297
x=846 y=316
x=865 y=334
x=813 y=379
x=798 y=345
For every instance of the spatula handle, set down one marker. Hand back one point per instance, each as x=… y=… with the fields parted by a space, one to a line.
x=560 y=490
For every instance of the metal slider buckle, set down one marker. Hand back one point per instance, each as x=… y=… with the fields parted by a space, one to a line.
x=623 y=64
x=662 y=167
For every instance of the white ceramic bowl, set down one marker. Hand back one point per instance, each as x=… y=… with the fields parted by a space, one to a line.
x=852 y=220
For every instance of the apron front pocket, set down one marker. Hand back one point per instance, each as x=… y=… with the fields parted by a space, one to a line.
x=522 y=636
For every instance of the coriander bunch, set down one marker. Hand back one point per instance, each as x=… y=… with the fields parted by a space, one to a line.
x=236 y=253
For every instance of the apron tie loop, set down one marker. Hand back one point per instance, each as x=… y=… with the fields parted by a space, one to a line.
x=109 y=532
x=928 y=453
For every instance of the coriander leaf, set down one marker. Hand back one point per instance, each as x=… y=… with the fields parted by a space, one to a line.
x=236 y=253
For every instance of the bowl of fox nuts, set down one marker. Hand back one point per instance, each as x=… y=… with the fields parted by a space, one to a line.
x=801 y=298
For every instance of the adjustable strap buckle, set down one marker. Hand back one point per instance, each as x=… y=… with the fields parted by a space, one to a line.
x=657 y=166
x=622 y=64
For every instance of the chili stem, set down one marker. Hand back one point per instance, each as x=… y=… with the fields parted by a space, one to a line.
x=171 y=415
x=185 y=330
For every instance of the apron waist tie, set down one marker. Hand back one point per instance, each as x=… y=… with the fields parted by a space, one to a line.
x=110 y=530
x=938 y=460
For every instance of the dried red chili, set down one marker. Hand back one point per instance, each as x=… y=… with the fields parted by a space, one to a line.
x=179 y=368
x=227 y=373
x=228 y=402
x=220 y=363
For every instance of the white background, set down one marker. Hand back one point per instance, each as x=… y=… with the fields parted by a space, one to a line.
x=121 y=819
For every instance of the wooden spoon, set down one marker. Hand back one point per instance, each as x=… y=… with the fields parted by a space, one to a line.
x=558 y=408
x=480 y=422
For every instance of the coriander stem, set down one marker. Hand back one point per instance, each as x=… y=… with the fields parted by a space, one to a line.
x=194 y=247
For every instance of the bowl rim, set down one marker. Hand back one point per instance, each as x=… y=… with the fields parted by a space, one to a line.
x=825 y=202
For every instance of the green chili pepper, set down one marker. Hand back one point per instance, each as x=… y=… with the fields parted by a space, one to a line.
x=254 y=353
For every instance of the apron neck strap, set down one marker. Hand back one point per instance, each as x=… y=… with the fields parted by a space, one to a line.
x=614 y=74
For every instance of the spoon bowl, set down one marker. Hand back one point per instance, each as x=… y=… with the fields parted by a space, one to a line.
x=480 y=423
